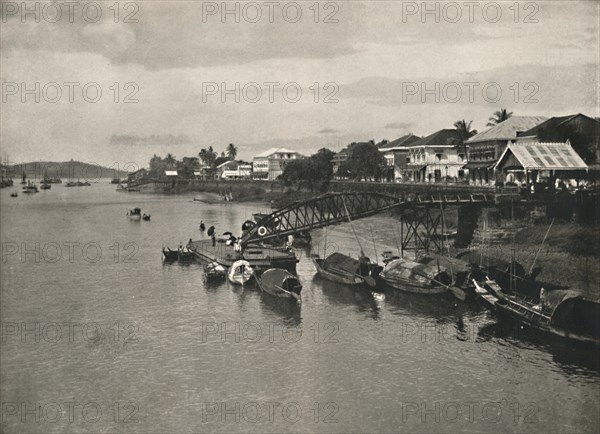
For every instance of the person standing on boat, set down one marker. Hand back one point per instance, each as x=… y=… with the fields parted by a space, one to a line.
x=202 y=227
x=214 y=239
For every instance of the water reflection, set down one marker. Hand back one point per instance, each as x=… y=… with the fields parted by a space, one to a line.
x=572 y=357
x=358 y=296
x=289 y=311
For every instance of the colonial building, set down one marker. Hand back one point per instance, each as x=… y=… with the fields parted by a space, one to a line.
x=539 y=164
x=435 y=158
x=270 y=164
x=396 y=155
x=234 y=170
x=484 y=149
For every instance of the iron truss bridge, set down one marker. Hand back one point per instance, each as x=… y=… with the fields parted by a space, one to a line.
x=335 y=208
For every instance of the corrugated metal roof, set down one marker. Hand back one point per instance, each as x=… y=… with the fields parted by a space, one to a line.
x=171 y=172
x=545 y=156
x=508 y=129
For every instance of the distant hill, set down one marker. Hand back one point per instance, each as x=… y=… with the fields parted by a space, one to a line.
x=66 y=170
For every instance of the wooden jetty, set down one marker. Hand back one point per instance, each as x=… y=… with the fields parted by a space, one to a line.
x=260 y=258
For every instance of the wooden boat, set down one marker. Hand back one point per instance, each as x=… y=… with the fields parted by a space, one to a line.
x=170 y=255
x=412 y=276
x=15 y=194
x=240 y=272
x=146 y=217
x=135 y=214
x=45 y=186
x=30 y=188
x=563 y=313
x=280 y=283
x=214 y=271
x=344 y=269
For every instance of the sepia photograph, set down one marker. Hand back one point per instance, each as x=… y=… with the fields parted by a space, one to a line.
x=377 y=216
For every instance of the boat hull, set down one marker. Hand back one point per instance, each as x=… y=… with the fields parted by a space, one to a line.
x=276 y=282
x=240 y=273
x=335 y=275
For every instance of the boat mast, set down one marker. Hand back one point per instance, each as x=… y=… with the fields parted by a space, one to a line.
x=541 y=245
x=362 y=253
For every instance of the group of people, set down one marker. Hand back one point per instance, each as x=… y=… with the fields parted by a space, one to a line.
x=212 y=233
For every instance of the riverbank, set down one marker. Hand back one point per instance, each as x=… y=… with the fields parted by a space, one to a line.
x=569 y=256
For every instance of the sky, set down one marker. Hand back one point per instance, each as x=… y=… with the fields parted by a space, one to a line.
x=114 y=83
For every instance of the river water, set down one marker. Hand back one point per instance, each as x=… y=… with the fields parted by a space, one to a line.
x=99 y=336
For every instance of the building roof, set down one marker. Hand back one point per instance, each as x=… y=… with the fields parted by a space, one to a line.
x=171 y=172
x=544 y=156
x=508 y=129
x=226 y=163
x=439 y=138
x=552 y=124
x=406 y=140
x=272 y=151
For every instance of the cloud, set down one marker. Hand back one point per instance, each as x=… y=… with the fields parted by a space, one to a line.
x=153 y=140
x=399 y=125
x=327 y=131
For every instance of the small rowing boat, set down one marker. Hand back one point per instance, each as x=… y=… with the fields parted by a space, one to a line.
x=135 y=214
x=280 y=283
x=214 y=271
x=240 y=272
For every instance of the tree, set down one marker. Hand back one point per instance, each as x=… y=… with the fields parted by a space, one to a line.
x=157 y=166
x=499 y=116
x=188 y=166
x=231 y=151
x=465 y=132
x=170 y=161
x=310 y=172
x=208 y=156
x=364 y=161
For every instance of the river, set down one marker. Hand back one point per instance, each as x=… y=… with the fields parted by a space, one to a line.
x=99 y=336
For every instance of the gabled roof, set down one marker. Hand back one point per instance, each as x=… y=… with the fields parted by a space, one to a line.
x=508 y=129
x=544 y=156
x=553 y=123
x=272 y=151
x=439 y=138
x=406 y=140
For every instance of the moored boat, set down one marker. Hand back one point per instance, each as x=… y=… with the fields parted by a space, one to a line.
x=240 y=272
x=14 y=194
x=280 y=283
x=146 y=217
x=214 y=271
x=341 y=268
x=181 y=255
x=45 y=186
x=564 y=313
x=412 y=276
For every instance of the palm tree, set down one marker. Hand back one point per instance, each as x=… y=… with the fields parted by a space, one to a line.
x=465 y=132
x=170 y=161
x=231 y=151
x=464 y=129
x=499 y=116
